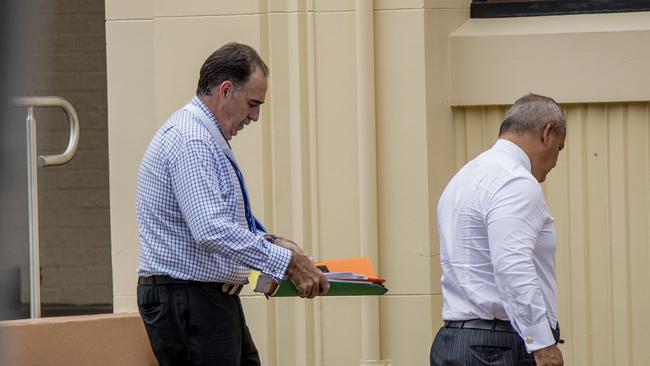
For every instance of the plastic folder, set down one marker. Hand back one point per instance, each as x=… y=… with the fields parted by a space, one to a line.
x=347 y=277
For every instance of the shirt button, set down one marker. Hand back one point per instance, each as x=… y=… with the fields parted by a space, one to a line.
x=529 y=340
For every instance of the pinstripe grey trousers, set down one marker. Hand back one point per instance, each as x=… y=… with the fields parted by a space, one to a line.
x=477 y=347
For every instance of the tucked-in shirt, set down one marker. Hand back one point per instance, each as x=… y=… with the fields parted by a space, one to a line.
x=497 y=245
x=190 y=209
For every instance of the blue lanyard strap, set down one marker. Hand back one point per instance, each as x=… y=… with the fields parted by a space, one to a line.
x=247 y=206
x=225 y=147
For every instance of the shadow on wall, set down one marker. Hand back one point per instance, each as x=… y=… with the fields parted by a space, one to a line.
x=8 y=271
x=57 y=48
x=9 y=265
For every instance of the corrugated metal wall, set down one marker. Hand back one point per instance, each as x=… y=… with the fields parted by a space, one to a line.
x=599 y=194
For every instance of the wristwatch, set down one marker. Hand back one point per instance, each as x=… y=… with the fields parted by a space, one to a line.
x=270 y=237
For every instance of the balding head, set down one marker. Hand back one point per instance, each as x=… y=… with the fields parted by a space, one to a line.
x=531 y=113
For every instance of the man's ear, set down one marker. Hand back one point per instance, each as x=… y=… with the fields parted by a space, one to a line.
x=548 y=129
x=225 y=88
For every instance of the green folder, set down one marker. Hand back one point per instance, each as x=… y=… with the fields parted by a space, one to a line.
x=337 y=288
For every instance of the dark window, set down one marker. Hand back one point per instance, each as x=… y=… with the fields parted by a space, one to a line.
x=523 y=8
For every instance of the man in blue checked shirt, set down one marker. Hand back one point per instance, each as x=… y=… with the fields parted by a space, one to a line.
x=199 y=238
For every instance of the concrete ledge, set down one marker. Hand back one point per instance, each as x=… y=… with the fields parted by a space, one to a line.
x=107 y=339
x=593 y=58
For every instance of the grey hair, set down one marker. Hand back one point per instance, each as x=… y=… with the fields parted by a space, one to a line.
x=531 y=113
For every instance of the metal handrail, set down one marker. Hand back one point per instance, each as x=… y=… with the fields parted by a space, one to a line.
x=73 y=121
x=32 y=182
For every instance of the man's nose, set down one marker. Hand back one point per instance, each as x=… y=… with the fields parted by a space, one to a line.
x=254 y=114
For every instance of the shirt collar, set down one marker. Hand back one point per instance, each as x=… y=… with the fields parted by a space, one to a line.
x=197 y=102
x=513 y=150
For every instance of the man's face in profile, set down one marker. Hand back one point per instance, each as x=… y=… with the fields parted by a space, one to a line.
x=550 y=154
x=241 y=105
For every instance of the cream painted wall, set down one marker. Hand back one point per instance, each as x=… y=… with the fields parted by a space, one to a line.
x=302 y=160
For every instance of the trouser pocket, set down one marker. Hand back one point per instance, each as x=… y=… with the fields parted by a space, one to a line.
x=150 y=303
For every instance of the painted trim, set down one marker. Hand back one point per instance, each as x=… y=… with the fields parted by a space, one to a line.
x=485 y=9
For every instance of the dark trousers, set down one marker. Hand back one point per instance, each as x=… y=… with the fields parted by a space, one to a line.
x=478 y=347
x=196 y=324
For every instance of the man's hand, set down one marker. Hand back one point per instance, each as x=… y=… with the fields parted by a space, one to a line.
x=308 y=279
x=549 y=356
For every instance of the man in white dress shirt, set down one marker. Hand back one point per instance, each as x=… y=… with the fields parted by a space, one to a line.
x=497 y=247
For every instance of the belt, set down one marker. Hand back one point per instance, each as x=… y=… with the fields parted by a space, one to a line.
x=166 y=280
x=496 y=325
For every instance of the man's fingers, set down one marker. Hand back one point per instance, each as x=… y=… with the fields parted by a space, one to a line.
x=303 y=289
x=324 y=287
x=309 y=280
x=313 y=286
x=320 y=284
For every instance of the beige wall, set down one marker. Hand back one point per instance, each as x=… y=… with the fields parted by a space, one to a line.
x=576 y=59
x=306 y=162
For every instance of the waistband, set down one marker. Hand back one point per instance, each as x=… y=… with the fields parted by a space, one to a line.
x=482 y=324
x=162 y=280
x=494 y=325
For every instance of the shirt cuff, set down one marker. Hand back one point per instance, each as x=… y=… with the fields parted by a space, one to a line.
x=537 y=337
x=278 y=262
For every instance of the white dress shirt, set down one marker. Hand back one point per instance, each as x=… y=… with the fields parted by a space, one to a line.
x=497 y=246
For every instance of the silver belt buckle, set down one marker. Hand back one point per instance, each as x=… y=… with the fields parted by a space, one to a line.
x=231 y=289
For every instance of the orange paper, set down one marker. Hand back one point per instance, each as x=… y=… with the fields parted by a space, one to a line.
x=360 y=265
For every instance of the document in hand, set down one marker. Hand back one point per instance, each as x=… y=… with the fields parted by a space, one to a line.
x=347 y=277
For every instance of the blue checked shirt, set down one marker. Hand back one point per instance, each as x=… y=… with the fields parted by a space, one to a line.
x=191 y=209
